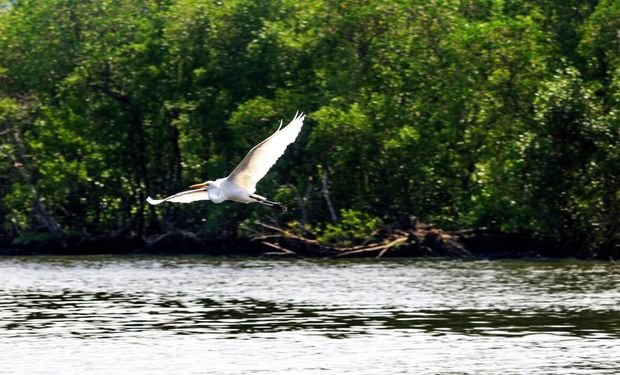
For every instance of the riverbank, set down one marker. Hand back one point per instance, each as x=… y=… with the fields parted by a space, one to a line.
x=417 y=240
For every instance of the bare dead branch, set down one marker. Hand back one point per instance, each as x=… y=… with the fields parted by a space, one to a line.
x=278 y=247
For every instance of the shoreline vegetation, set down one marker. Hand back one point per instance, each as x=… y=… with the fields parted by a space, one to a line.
x=501 y=116
x=406 y=239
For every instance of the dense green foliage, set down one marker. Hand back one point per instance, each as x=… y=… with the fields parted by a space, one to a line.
x=465 y=113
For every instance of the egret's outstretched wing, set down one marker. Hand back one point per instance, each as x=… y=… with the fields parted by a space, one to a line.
x=183 y=197
x=264 y=155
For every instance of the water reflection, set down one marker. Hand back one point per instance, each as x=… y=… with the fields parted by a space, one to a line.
x=103 y=314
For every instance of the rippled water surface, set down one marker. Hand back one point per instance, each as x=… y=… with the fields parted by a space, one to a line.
x=223 y=316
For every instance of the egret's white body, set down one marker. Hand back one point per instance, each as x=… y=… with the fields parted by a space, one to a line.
x=240 y=185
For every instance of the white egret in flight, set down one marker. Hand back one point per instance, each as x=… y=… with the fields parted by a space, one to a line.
x=241 y=184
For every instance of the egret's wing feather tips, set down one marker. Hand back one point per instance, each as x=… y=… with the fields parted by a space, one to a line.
x=154 y=201
x=182 y=197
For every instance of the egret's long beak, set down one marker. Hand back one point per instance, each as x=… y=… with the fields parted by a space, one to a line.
x=198 y=186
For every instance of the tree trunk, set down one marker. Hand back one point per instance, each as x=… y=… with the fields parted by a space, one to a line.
x=301 y=202
x=39 y=211
x=325 y=191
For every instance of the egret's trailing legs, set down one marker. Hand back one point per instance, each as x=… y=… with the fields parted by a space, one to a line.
x=264 y=201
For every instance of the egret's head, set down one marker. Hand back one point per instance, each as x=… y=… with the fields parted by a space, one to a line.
x=203 y=185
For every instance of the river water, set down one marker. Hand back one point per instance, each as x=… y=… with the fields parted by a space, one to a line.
x=185 y=315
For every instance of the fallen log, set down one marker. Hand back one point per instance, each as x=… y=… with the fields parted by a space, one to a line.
x=286 y=233
x=381 y=248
